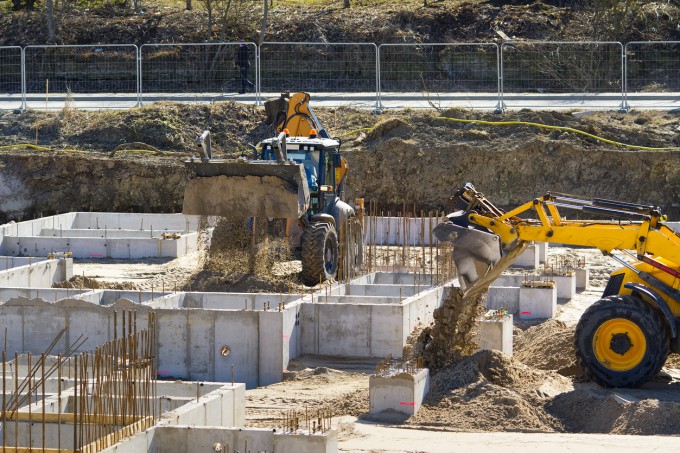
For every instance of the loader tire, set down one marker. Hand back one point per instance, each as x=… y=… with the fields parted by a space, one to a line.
x=319 y=246
x=621 y=341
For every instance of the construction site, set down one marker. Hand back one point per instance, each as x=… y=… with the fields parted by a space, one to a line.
x=278 y=314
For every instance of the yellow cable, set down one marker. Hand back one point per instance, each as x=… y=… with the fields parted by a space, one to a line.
x=26 y=145
x=558 y=128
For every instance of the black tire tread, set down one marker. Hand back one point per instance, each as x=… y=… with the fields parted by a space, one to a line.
x=312 y=248
x=648 y=319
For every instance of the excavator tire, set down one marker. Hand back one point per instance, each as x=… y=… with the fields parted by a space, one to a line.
x=319 y=244
x=621 y=341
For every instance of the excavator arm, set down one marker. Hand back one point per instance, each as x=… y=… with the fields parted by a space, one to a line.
x=481 y=232
x=624 y=338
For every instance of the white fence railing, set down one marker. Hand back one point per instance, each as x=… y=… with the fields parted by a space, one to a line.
x=516 y=74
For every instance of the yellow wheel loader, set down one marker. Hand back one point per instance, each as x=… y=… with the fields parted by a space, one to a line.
x=623 y=339
x=298 y=175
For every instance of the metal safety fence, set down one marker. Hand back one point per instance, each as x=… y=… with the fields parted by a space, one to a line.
x=87 y=73
x=212 y=69
x=652 y=74
x=441 y=74
x=516 y=74
x=566 y=74
x=324 y=68
x=11 y=85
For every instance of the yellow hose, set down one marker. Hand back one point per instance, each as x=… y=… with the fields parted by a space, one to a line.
x=26 y=145
x=557 y=128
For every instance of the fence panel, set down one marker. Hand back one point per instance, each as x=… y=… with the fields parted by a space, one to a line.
x=653 y=74
x=454 y=74
x=562 y=74
x=334 y=70
x=198 y=71
x=11 y=93
x=94 y=76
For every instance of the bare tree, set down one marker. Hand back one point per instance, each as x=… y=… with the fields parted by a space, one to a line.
x=49 y=9
x=263 y=28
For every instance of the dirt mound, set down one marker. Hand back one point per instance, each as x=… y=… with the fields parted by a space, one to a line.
x=594 y=410
x=548 y=346
x=80 y=282
x=490 y=391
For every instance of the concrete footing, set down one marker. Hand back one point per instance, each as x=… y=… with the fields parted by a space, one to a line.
x=565 y=284
x=542 y=252
x=582 y=278
x=537 y=303
x=529 y=258
x=401 y=392
x=495 y=332
x=503 y=298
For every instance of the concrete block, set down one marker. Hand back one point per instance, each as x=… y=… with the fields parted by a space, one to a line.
x=537 y=303
x=528 y=258
x=566 y=286
x=495 y=334
x=402 y=392
x=515 y=280
x=506 y=297
x=582 y=278
x=542 y=252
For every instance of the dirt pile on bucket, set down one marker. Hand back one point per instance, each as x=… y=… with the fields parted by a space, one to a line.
x=490 y=391
x=246 y=255
x=548 y=346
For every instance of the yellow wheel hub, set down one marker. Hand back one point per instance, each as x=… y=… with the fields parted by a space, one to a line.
x=619 y=344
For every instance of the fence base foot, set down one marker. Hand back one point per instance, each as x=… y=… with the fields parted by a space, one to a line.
x=500 y=108
x=624 y=108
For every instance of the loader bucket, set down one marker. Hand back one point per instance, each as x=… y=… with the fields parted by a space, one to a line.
x=231 y=188
x=476 y=253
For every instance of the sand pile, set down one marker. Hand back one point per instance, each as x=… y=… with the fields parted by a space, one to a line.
x=490 y=391
x=548 y=346
x=590 y=409
x=80 y=282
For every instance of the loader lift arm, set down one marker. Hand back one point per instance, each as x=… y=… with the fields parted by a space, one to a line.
x=623 y=339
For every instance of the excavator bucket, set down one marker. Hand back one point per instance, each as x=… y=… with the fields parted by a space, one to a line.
x=477 y=253
x=246 y=189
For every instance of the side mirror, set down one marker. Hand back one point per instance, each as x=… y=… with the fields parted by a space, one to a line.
x=336 y=160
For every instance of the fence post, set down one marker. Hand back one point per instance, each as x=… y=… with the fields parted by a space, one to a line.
x=624 y=108
x=23 y=79
x=258 y=93
x=378 y=103
x=139 y=76
x=500 y=108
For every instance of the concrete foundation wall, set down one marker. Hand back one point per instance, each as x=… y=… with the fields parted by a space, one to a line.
x=124 y=248
x=189 y=341
x=39 y=274
x=363 y=330
x=397 y=231
x=187 y=438
x=134 y=221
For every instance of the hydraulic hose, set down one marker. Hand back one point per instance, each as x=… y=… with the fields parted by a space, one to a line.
x=558 y=128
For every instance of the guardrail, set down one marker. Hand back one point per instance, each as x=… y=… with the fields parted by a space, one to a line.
x=516 y=74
